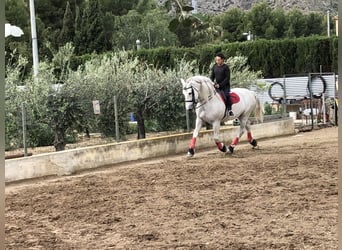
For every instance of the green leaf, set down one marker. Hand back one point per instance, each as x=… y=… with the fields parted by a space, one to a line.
x=173 y=24
x=187 y=8
x=187 y=22
x=167 y=5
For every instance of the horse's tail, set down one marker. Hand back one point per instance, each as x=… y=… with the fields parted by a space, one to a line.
x=258 y=111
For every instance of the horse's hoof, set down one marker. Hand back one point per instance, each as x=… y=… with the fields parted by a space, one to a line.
x=223 y=149
x=231 y=149
x=254 y=143
x=191 y=152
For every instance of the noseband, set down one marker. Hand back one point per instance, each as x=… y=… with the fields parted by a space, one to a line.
x=193 y=100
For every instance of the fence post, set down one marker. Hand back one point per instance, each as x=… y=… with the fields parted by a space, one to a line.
x=117 y=134
x=23 y=115
x=284 y=100
x=311 y=104
x=322 y=98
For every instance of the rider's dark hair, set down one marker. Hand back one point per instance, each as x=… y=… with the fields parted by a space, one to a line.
x=220 y=55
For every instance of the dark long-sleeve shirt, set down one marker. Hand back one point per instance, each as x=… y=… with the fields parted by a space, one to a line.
x=221 y=75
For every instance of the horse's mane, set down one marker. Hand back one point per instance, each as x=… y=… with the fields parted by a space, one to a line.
x=203 y=79
x=205 y=83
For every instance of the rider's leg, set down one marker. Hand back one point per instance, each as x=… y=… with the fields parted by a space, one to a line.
x=228 y=103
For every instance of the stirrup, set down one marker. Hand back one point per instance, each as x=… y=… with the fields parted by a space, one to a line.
x=229 y=113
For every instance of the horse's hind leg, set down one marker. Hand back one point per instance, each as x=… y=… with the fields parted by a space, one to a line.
x=250 y=138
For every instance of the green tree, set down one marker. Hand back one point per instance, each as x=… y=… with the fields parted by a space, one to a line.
x=315 y=24
x=17 y=13
x=108 y=24
x=241 y=73
x=169 y=108
x=154 y=30
x=78 y=31
x=49 y=22
x=296 y=24
x=128 y=29
x=233 y=24
x=278 y=21
x=13 y=102
x=68 y=30
x=118 y=7
x=91 y=29
x=184 y=23
x=145 y=5
x=259 y=19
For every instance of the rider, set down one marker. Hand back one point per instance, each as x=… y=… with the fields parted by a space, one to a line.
x=220 y=74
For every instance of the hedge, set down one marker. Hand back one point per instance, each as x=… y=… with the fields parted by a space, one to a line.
x=273 y=57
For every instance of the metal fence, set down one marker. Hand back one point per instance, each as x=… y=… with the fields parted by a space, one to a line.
x=297 y=87
x=310 y=96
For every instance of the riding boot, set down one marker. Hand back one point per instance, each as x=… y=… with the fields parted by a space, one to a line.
x=229 y=111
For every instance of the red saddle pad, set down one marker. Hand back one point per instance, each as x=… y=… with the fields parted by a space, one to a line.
x=234 y=97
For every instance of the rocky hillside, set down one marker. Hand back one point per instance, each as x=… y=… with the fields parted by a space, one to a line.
x=218 y=6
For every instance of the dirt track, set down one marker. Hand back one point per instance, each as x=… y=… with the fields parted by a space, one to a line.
x=282 y=196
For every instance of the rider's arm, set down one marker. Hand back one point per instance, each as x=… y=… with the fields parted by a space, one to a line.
x=226 y=81
x=212 y=75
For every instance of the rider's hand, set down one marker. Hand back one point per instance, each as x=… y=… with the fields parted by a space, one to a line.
x=217 y=85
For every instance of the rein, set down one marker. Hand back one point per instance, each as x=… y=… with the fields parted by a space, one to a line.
x=194 y=101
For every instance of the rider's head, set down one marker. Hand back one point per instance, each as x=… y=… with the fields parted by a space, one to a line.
x=219 y=58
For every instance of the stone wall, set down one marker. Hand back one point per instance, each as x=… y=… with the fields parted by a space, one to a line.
x=71 y=161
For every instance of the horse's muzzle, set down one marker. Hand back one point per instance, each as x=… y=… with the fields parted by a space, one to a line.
x=189 y=106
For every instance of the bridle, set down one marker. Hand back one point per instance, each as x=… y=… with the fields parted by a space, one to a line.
x=196 y=101
x=193 y=100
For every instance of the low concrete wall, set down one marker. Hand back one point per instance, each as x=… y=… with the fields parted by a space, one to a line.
x=70 y=161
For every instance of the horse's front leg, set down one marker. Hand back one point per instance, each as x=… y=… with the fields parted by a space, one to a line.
x=243 y=123
x=191 y=150
x=220 y=145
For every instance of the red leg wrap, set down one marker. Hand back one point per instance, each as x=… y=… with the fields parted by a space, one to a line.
x=193 y=142
x=235 y=141
x=219 y=145
x=249 y=136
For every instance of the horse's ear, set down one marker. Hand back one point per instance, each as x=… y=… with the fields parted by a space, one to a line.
x=183 y=82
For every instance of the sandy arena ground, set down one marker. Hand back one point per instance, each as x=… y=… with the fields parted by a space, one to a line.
x=281 y=196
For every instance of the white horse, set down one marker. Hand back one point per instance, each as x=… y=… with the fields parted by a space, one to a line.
x=200 y=93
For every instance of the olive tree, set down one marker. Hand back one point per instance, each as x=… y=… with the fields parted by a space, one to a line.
x=102 y=78
x=241 y=74
x=169 y=111
x=13 y=102
x=59 y=100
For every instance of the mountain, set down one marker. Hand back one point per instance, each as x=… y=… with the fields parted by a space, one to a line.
x=219 y=6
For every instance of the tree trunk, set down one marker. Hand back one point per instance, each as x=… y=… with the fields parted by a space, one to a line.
x=59 y=142
x=141 y=127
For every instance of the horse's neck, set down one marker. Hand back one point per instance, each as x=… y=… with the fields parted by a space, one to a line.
x=207 y=91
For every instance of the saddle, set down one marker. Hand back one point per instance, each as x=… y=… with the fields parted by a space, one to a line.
x=234 y=98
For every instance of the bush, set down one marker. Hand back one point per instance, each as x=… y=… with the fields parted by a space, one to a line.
x=267 y=109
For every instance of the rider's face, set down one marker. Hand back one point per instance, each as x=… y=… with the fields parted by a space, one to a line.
x=219 y=60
